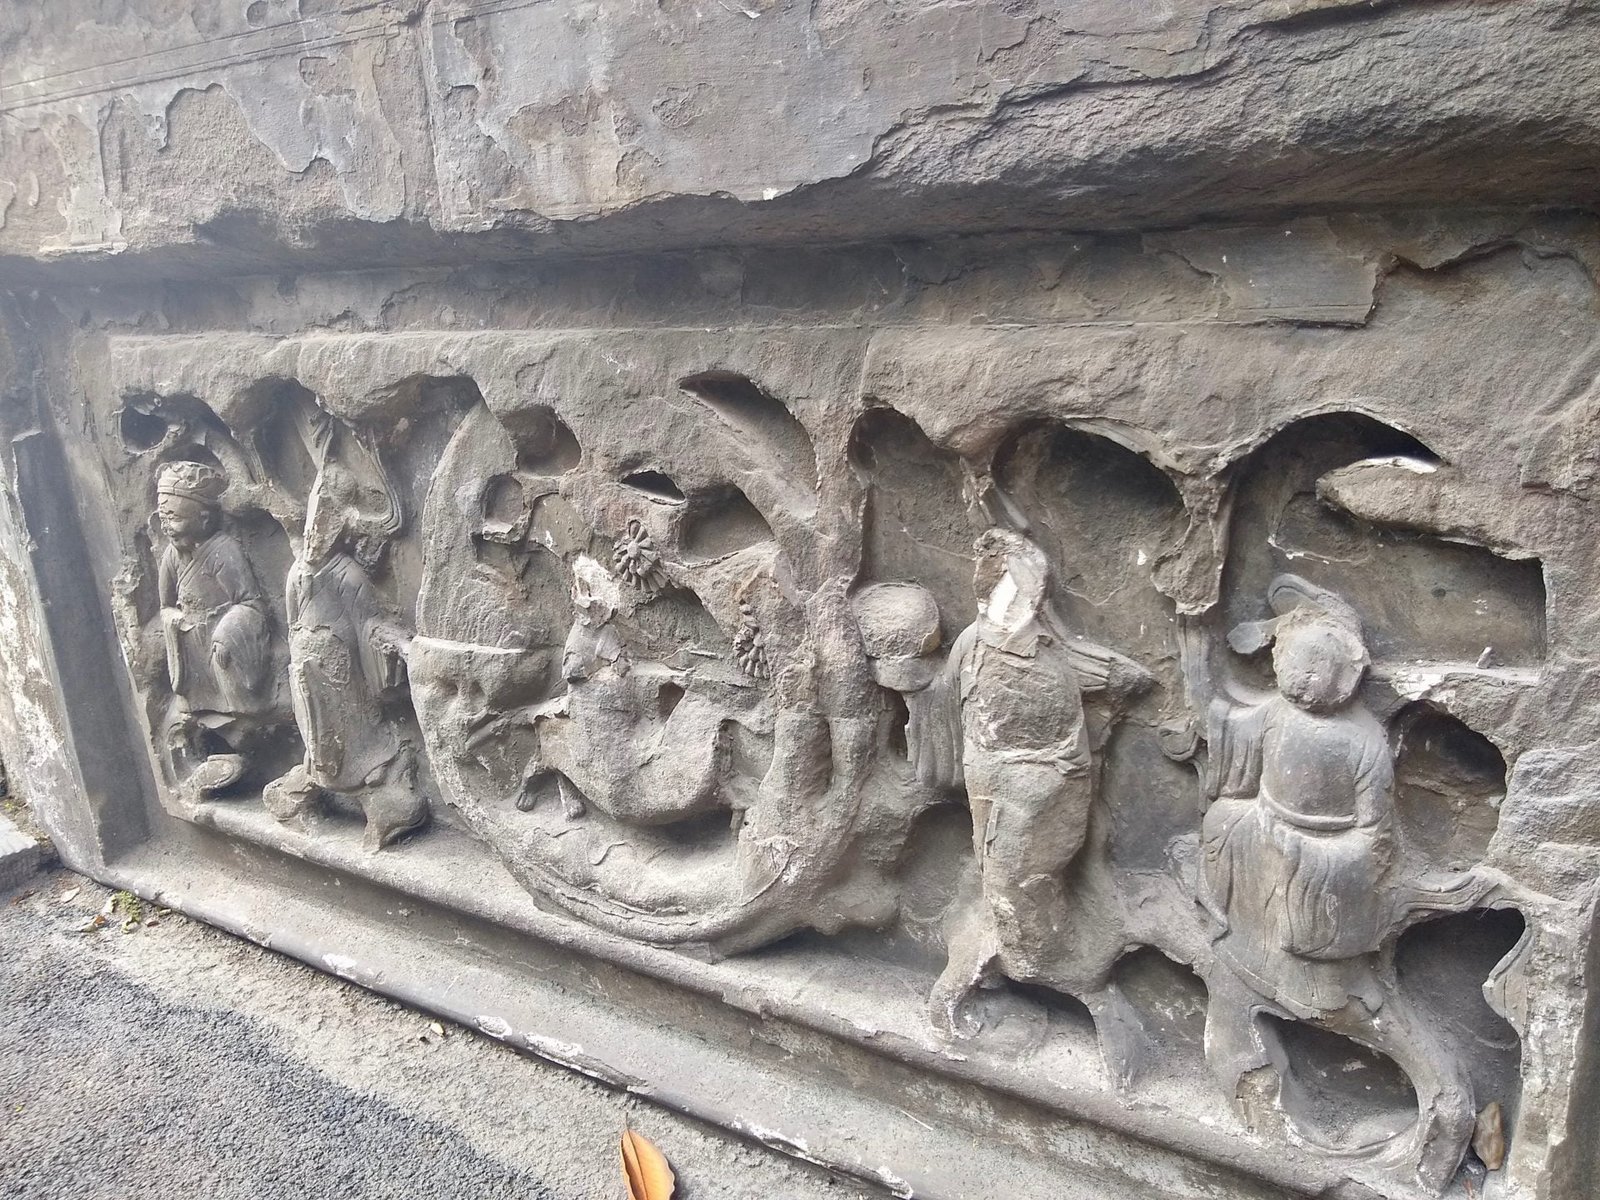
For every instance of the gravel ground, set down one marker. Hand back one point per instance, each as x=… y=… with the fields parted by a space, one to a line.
x=165 y=1060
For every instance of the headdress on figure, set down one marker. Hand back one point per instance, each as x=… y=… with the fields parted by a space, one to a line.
x=192 y=481
x=1319 y=653
x=1297 y=602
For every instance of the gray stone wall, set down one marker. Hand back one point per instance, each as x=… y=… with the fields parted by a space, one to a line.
x=979 y=592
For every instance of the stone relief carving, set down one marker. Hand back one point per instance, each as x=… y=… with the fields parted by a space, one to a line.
x=695 y=678
x=1004 y=719
x=296 y=691
x=346 y=650
x=216 y=629
x=678 y=712
x=1303 y=878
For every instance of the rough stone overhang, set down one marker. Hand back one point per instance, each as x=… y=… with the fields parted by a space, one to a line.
x=426 y=131
x=1274 y=213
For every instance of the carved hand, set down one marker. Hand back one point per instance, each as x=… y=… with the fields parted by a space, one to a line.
x=1179 y=738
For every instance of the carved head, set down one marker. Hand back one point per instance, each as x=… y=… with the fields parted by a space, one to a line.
x=1011 y=579
x=189 y=501
x=1318 y=661
x=345 y=513
x=899 y=626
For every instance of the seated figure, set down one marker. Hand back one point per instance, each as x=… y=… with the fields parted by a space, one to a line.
x=216 y=626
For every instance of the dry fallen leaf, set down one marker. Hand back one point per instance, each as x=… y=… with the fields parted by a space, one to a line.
x=645 y=1169
x=1489 y=1138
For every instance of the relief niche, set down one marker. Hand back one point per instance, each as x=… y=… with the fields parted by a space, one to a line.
x=284 y=658
x=705 y=677
x=671 y=729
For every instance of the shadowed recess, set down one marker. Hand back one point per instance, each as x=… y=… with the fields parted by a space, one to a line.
x=1339 y=1093
x=1450 y=781
x=1104 y=515
x=1443 y=965
x=916 y=524
x=545 y=444
x=1420 y=598
x=149 y=422
x=657 y=485
x=762 y=424
x=722 y=522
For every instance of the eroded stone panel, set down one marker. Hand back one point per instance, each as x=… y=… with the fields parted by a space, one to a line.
x=1147 y=695
x=1113 y=713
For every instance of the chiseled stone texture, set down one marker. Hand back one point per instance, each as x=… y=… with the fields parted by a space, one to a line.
x=373 y=132
x=1023 y=610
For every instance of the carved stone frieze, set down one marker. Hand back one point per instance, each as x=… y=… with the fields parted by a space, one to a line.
x=1173 y=732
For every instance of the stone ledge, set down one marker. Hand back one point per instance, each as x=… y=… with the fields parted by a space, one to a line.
x=20 y=854
x=737 y=1063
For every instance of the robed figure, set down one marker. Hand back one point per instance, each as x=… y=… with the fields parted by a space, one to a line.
x=1300 y=873
x=215 y=623
x=346 y=650
x=1005 y=720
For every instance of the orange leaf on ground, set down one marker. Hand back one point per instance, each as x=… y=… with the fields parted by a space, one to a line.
x=645 y=1169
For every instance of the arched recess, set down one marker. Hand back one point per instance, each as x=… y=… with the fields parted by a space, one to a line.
x=545 y=443
x=162 y=425
x=1420 y=598
x=282 y=412
x=760 y=421
x=1106 y=515
x=1442 y=965
x=720 y=522
x=1449 y=782
x=916 y=522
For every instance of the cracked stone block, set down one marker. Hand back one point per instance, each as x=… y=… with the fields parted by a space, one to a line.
x=20 y=855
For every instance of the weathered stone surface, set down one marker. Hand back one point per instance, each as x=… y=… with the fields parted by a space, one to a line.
x=367 y=133
x=20 y=854
x=1038 y=582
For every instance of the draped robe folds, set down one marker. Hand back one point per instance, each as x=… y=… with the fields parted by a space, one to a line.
x=965 y=702
x=1298 y=847
x=340 y=665
x=217 y=630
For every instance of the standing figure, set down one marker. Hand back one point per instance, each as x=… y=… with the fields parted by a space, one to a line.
x=346 y=662
x=216 y=627
x=1300 y=856
x=1006 y=719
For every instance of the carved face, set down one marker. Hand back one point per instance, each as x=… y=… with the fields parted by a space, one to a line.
x=185 y=521
x=1319 y=665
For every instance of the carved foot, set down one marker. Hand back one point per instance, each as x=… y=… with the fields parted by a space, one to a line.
x=571 y=801
x=954 y=1017
x=533 y=775
x=952 y=1007
x=528 y=797
x=291 y=795
x=213 y=775
x=392 y=810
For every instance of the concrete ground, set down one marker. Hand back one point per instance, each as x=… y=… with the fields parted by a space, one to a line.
x=164 y=1060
